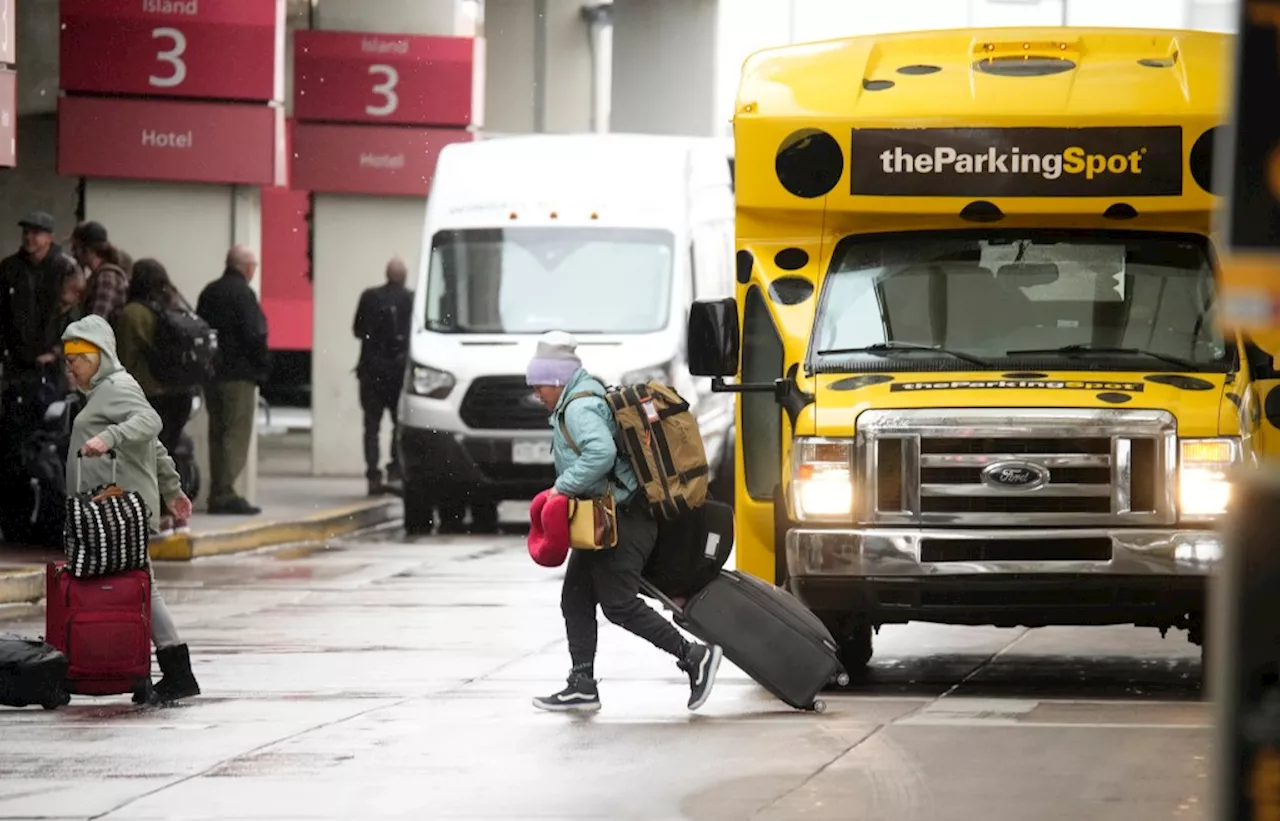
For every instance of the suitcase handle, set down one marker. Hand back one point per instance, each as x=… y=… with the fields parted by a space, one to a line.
x=660 y=596
x=111 y=455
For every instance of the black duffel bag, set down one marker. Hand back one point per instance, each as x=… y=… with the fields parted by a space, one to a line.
x=31 y=672
x=691 y=549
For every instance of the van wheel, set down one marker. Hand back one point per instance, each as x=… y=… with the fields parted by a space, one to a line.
x=419 y=509
x=484 y=517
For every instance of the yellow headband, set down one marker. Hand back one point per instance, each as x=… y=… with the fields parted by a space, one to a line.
x=78 y=346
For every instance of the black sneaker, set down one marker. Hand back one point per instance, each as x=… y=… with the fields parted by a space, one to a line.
x=701 y=663
x=581 y=696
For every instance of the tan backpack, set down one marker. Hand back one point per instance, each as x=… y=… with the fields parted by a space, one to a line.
x=661 y=439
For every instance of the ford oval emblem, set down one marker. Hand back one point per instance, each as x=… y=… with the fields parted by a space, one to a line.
x=1015 y=476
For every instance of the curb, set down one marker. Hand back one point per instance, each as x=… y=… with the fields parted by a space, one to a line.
x=24 y=585
x=321 y=527
x=21 y=585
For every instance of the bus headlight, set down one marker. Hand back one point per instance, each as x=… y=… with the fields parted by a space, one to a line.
x=822 y=479
x=1204 y=483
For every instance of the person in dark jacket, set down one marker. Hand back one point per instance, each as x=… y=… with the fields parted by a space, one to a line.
x=30 y=290
x=231 y=308
x=382 y=325
x=588 y=465
x=151 y=291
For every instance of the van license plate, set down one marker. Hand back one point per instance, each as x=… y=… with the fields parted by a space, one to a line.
x=531 y=452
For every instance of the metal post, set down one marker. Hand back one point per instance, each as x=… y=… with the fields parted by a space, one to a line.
x=539 y=66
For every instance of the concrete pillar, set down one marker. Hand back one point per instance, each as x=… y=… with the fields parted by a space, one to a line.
x=355 y=236
x=538 y=67
x=188 y=228
x=664 y=67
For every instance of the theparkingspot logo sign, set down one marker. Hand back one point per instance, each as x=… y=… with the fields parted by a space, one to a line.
x=1017 y=162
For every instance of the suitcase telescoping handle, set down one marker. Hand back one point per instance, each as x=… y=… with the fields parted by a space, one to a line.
x=662 y=597
x=111 y=454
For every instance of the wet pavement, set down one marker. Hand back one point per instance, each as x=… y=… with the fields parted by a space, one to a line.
x=381 y=678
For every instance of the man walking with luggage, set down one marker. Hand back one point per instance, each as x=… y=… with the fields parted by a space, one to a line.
x=382 y=325
x=588 y=465
x=231 y=308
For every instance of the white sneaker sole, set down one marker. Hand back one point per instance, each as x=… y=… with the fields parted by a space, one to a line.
x=716 y=655
x=568 y=707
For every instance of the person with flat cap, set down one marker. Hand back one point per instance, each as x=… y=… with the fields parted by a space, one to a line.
x=31 y=283
x=106 y=291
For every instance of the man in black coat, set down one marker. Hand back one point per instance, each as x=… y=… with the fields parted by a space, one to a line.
x=382 y=324
x=231 y=308
x=30 y=291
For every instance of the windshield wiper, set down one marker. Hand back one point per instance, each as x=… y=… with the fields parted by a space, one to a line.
x=1078 y=348
x=883 y=348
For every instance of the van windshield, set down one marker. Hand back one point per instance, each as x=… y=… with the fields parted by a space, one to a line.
x=1018 y=300
x=532 y=280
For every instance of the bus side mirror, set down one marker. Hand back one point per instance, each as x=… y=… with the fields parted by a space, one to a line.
x=712 y=336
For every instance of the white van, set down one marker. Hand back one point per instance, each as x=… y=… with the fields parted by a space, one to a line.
x=607 y=236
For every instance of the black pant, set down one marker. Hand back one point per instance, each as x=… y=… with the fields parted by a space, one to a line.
x=175 y=411
x=611 y=579
x=378 y=395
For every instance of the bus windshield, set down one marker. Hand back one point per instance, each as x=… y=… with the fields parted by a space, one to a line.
x=1019 y=299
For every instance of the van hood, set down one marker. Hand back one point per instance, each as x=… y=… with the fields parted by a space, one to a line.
x=1195 y=400
x=608 y=357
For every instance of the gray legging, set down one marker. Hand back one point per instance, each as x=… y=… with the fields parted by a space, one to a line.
x=164 y=633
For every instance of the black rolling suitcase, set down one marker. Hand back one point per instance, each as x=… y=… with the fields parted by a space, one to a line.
x=767 y=632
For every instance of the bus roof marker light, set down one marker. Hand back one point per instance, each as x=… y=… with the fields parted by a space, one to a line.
x=512 y=215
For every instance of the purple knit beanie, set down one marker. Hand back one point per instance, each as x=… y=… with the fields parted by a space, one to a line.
x=555 y=361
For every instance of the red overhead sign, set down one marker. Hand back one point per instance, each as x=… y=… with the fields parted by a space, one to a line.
x=212 y=49
x=229 y=143
x=352 y=77
x=362 y=159
x=7 y=32
x=8 y=118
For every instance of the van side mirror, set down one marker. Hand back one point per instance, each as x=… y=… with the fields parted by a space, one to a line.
x=712 y=335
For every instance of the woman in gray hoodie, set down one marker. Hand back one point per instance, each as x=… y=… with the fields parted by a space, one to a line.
x=117 y=418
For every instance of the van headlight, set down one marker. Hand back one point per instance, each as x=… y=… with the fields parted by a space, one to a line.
x=822 y=479
x=1204 y=484
x=430 y=382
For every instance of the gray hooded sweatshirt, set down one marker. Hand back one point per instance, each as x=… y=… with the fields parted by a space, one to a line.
x=117 y=410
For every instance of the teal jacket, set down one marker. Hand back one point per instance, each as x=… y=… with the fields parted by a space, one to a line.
x=591 y=424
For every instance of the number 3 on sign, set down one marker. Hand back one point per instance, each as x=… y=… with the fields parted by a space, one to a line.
x=386 y=89
x=173 y=57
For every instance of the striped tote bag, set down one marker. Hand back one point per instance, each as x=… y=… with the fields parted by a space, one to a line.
x=106 y=531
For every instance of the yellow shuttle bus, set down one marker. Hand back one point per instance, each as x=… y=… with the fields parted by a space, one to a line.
x=973 y=338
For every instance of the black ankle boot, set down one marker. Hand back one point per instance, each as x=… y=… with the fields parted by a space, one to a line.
x=178 y=682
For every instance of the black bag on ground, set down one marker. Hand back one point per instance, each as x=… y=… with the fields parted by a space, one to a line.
x=691 y=549
x=184 y=349
x=31 y=672
x=768 y=633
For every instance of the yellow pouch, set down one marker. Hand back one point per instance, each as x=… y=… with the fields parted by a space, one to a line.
x=593 y=523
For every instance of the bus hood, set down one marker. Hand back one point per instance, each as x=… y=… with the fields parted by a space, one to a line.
x=1194 y=399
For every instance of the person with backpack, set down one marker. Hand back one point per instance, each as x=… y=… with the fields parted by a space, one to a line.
x=588 y=465
x=157 y=331
x=382 y=324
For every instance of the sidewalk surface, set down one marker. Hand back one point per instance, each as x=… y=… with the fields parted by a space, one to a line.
x=295 y=510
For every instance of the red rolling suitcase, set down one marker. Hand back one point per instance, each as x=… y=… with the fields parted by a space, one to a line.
x=103 y=626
